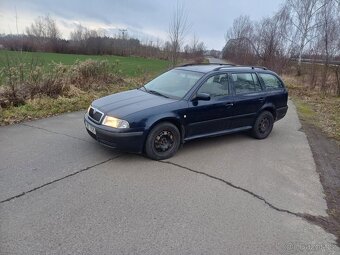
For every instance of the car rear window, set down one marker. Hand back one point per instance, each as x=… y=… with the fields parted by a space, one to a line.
x=270 y=81
x=245 y=83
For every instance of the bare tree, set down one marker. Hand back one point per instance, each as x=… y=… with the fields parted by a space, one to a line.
x=240 y=41
x=194 y=43
x=178 y=28
x=328 y=36
x=167 y=49
x=301 y=28
x=242 y=28
x=258 y=43
x=195 y=49
x=44 y=30
x=78 y=34
x=303 y=17
x=44 y=27
x=273 y=46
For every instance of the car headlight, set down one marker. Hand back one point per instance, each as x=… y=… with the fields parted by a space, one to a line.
x=88 y=109
x=115 y=122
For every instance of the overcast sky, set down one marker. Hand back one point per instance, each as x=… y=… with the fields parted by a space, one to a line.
x=144 y=19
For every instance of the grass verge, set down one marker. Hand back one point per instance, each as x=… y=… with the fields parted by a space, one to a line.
x=46 y=106
x=30 y=89
x=317 y=109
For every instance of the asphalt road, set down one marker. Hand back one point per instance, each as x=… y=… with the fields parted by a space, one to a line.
x=215 y=60
x=62 y=193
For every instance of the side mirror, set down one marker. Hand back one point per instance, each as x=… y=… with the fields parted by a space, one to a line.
x=202 y=96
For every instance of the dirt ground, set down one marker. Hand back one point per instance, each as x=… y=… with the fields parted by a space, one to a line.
x=326 y=153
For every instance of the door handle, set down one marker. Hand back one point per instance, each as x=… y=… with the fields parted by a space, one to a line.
x=261 y=99
x=229 y=104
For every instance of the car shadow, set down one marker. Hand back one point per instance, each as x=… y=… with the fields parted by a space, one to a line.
x=195 y=145
x=202 y=144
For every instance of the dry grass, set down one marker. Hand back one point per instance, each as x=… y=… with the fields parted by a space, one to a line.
x=29 y=90
x=75 y=99
x=314 y=107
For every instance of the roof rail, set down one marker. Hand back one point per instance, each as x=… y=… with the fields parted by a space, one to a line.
x=223 y=66
x=260 y=67
x=196 y=64
x=252 y=67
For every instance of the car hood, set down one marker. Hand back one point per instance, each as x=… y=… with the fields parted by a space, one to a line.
x=128 y=102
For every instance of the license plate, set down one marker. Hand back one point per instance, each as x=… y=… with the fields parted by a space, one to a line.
x=90 y=128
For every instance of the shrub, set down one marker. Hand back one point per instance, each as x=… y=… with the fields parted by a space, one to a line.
x=21 y=81
x=87 y=73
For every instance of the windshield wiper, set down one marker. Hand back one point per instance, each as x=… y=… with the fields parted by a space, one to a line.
x=143 y=87
x=156 y=93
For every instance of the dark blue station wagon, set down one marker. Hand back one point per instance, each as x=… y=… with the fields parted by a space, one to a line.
x=185 y=103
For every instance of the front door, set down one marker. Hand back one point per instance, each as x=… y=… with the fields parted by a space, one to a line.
x=212 y=116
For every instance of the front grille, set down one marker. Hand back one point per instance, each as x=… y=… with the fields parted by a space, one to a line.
x=95 y=114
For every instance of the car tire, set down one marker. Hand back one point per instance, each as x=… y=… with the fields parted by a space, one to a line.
x=263 y=125
x=163 y=141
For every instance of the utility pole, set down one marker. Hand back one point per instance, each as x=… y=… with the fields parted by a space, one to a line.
x=16 y=24
x=150 y=54
x=123 y=31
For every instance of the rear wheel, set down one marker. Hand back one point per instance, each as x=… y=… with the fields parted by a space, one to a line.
x=163 y=141
x=263 y=125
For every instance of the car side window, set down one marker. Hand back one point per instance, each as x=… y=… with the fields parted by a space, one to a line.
x=245 y=83
x=216 y=86
x=270 y=81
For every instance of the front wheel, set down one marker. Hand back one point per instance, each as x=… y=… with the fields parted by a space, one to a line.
x=263 y=125
x=163 y=141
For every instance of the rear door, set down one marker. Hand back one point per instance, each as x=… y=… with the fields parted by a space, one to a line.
x=207 y=117
x=249 y=98
x=276 y=92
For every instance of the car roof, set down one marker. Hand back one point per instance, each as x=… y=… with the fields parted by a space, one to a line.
x=206 y=68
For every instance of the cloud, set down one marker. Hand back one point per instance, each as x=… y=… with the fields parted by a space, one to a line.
x=146 y=19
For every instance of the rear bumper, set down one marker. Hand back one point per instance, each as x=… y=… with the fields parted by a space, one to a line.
x=130 y=141
x=281 y=112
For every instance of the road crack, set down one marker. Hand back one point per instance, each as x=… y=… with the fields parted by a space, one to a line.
x=54 y=132
x=324 y=222
x=235 y=187
x=59 y=179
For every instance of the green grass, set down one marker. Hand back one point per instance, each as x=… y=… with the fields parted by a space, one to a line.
x=129 y=66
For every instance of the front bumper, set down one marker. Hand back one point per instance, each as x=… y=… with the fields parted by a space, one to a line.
x=130 y=141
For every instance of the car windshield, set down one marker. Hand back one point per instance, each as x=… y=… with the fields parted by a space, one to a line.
x=173 y=84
